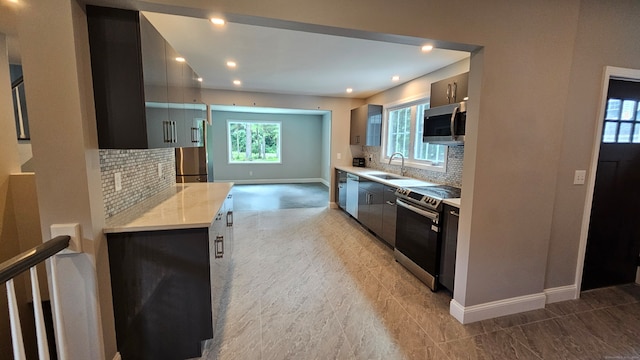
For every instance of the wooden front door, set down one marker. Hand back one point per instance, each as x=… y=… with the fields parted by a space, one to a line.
x=613 y=243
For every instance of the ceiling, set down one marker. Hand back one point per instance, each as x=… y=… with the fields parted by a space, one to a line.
x=286 y=61
x=275 y=59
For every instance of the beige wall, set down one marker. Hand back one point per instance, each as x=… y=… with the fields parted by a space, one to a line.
x=526 y=82
x=525 y=61
x=607 y=36
x=9 y=163
x=55 y=59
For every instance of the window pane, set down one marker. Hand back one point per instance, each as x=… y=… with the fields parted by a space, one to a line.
x=628 y=110
x=253 y=141
x=399 y=131
x=610 y=131
x=638 y=114
x=625 y=132
x=425 y=151
x=613 y=109
x=636 y=134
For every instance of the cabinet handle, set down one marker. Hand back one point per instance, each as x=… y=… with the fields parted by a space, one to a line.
x=194 y=135
x=455 y=91
x=229 y=218
x=452 y=212
x=165 y=131
x=219 y=246
x=448 y=93
x=391 y=203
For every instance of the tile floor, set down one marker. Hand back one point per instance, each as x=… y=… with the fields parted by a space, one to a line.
x=312 y=284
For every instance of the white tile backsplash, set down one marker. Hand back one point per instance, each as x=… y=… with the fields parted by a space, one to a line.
x=139 y=176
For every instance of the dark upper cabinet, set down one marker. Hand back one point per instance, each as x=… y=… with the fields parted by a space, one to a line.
x=450 y=90
x=139 y=87
x=366 y=125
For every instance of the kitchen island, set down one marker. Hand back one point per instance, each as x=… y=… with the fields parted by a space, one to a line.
x=169 y=264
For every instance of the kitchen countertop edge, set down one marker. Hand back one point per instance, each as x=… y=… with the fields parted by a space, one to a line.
x=184 y=206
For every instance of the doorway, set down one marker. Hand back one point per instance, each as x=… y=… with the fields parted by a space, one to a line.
x=613 y=239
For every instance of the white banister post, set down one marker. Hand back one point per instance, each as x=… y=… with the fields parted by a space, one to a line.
x=58 y=320
x=41 y=331
x=14 y=319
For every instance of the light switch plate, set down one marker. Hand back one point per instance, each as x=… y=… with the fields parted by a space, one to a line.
x=160 y=171
x=339 y=156
x=579 y=177
x=73 y=230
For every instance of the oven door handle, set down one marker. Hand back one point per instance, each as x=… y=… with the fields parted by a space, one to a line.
x=428 y=214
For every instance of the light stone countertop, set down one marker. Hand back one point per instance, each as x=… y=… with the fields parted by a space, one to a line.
x=452 y=202
x=185 y=206
x=398 y=181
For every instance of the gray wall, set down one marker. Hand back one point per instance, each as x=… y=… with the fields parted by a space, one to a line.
x=607 y=36
x=301 y=147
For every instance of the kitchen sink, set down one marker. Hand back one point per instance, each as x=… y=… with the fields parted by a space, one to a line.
x=387 y=176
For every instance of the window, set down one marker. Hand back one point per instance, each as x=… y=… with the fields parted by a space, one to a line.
x=404 y=126
x=254 y=141
x=622 y=122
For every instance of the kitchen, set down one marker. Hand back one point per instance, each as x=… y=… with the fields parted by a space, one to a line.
x=511 y=240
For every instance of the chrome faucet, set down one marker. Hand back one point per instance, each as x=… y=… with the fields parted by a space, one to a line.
x=402 y=170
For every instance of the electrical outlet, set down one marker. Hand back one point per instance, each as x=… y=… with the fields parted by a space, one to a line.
x=250 y=173
x=339 y=156
x=118 y=180
x=579 y=177
x=160 y=171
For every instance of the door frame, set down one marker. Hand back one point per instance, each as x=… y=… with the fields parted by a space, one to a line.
x=610 y=72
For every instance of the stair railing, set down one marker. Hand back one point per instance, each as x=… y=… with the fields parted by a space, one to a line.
x=16 y=266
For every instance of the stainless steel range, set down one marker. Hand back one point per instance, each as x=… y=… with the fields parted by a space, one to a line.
x=418 y=236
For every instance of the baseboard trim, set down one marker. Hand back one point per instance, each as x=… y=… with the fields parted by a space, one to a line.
x=333 y=205
x=494 y=309
x=117 y=356
x=561 y=293
x=276 y=181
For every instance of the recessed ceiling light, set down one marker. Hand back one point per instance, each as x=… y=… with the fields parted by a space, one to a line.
x=218 y=21
x=237 y=82
x=395 y=78
x=231 y=64
x=349 y=90
x=427 y=48
x=180 y=59
x=13 y=1
x=200 y=79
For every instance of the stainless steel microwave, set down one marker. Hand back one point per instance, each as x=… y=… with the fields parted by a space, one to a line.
x=445 y=124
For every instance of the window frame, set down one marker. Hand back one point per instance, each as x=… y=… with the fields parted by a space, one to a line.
x=261 y=162
x=410 y=160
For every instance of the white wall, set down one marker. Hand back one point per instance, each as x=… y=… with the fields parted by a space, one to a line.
x=301 y=149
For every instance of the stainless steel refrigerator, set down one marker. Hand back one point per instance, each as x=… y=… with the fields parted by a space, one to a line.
x=191 y=164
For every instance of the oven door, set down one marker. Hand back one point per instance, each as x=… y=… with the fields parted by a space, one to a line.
x=418 y=242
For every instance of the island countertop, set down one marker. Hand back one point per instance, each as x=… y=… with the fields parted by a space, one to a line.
x=184 y=206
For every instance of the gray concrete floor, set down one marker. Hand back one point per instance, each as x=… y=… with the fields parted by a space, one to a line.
x=279 y=196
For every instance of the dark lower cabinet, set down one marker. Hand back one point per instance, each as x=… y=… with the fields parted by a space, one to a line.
x=161 y=293
x=451 y=215
x=389 y=216
x=370 y=204
x=341 y=189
